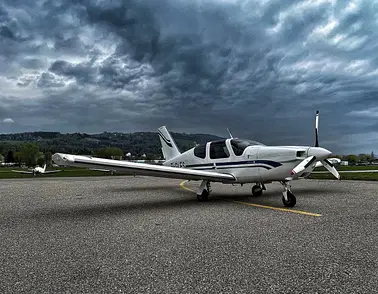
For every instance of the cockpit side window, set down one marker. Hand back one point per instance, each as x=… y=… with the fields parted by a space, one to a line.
x=200 y=151
x=238 y=146
x=218 y=149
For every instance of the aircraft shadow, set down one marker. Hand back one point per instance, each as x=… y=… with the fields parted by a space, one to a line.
x=185 y=199
x=140 y=188
x=100 y=210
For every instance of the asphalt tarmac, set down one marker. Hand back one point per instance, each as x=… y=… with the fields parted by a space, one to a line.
x=151 y=235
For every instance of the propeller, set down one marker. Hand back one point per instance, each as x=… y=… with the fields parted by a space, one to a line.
x=316 y=153
x=316 y=129
x=303 y=165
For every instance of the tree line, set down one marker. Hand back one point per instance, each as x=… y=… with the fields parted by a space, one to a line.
x=360 y=158
x=36 y=148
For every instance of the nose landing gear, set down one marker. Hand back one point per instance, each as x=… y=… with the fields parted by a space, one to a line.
x=288 y=198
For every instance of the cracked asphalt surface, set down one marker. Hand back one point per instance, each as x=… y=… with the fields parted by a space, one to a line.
x=148 y=235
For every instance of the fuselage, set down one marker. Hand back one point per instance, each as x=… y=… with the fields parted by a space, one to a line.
x=38 y=170
x=248 y=161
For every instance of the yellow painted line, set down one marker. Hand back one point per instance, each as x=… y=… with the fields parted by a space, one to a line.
x=278 y=208
x=182 y=185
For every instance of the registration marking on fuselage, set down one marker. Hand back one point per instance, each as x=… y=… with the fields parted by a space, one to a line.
x=182 y=185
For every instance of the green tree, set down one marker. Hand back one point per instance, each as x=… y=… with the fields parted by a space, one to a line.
x=371 y=157
x=48 y=158
x=10 y=156
x=362 y=157
x=108 y=152
x=1 y=158
x=18 y=158
x=30 y=153
x=352 y=158
x=40 y=161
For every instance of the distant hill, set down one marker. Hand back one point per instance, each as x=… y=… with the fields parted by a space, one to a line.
x=80 y=143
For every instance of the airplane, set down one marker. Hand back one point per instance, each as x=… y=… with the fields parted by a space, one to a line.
x=36 y=171
x=228 y=161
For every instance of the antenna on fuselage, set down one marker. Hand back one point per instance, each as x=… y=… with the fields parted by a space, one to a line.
x=229 y=133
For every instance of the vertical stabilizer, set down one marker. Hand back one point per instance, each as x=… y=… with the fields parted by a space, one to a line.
x=44 y=167
x=168 y=145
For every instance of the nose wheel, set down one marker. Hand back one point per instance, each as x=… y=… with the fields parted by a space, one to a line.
x=288 y=197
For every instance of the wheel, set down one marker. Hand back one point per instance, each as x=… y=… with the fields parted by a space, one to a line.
x=291 y=200
x=257 y=190
x=204 y=196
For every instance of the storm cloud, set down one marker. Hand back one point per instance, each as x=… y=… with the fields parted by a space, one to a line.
x=260 y=68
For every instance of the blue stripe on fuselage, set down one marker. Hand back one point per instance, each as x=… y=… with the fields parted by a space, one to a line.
x=230 y=164
x=225 y=167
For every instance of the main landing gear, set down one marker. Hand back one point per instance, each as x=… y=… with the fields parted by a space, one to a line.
x=288 y=197
x=203 y=191
x=257 y=190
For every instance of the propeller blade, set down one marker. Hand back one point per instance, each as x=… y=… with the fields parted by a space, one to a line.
x=330 y=167
x=331 y=160
x=316 y=129
x=303 y=165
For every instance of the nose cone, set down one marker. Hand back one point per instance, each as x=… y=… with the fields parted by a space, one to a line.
x=319 y=153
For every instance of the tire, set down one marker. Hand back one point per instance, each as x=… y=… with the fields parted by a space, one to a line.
x=291 y=200
x=204 y=196
x=257 y=191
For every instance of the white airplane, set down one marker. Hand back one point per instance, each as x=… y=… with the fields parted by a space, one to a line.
x=37 y=170
x=229 y=161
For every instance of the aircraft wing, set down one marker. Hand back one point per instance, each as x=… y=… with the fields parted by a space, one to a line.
x=140 y=168
x=51 y=171
x=22 y=171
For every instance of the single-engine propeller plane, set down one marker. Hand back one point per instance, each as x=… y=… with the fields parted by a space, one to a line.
x=229 y=161
x=37 y=170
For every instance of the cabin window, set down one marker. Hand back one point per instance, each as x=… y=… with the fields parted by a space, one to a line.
x=218 y=149
x=200 y=151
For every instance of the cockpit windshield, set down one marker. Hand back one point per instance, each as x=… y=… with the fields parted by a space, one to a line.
x=239 y=145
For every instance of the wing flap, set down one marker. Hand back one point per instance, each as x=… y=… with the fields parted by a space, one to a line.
x=140 y=168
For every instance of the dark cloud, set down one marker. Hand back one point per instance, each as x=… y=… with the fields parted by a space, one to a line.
x=259 y=68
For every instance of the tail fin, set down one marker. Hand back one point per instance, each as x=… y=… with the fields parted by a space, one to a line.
x=44 y=167
x=168 y=145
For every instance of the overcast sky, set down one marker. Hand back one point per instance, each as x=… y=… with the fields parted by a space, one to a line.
x=261 y=68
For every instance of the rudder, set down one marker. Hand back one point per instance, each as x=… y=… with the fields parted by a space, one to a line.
x=168 y=145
